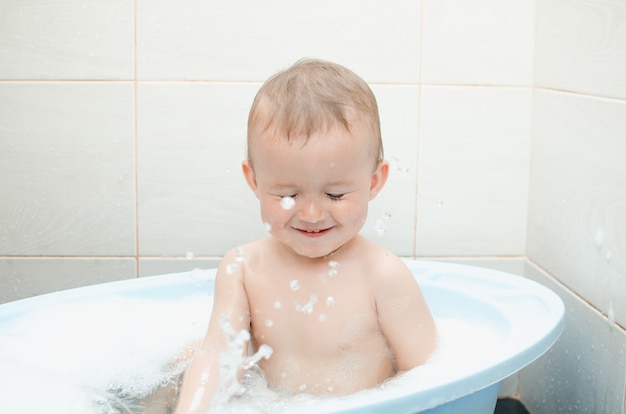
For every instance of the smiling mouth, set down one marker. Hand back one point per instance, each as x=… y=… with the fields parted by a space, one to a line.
x=314 y=232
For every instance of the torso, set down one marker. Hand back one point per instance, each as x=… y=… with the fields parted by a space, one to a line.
x=319 y=319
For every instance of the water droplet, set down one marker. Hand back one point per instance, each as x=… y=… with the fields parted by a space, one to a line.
x=277 y=304
x=323 y=317
x=599 y=237
x=269 y=323
x=294 y=285
x=334 y=268
x=330 y=301
x=240 y=256
x=380 y=227
x=232 y=268
x=611 y=315
x=287 y=203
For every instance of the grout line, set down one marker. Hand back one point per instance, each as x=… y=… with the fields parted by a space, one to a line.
x=135 y=137
x=572 y=292
x=419 y=128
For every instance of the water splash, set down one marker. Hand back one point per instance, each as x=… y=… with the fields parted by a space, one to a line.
x=232 y=360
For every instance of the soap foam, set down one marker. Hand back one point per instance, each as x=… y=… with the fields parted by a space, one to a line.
x=106 y=355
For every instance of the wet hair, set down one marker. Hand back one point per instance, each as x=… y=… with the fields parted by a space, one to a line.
x=314 y=96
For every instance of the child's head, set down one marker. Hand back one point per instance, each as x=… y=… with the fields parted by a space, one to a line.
x=315 y=156
x=313 y=96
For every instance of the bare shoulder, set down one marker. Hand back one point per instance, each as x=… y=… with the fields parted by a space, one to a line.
x=241 y=257
x=384 y=266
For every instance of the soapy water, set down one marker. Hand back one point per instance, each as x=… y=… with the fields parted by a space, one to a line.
x=124 y=355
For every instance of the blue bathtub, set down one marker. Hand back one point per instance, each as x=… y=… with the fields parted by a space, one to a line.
x=526 y=318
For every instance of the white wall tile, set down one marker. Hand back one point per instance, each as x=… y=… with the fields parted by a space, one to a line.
x=243 y=40
x=473 y=171
x=25 y=277
x=584 y=371
x=66 y=170
x=393 y=210
x=581 y=46
x=192 y=194
x=66 y=39
x=478 y=42
x=577 y=209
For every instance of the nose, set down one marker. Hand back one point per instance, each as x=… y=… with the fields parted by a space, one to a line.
x=311 y=211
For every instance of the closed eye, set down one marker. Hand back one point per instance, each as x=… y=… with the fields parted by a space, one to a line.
x=335 y=197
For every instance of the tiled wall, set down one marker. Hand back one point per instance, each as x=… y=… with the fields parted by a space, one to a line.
x=122 y=127
x=577 y=203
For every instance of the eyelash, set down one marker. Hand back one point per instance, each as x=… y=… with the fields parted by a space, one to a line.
x=335 y=197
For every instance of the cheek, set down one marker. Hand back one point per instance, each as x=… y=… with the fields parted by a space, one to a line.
x=272 y=213
x=354 y=212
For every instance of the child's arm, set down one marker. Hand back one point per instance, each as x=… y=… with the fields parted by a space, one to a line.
x=404 y=316
x=202 y=376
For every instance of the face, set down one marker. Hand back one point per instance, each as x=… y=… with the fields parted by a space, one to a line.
x=331 y=178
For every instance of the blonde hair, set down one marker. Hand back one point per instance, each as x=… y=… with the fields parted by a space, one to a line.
x=312 y=96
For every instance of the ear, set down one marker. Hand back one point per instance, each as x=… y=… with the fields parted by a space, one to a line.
x=248 y=173
x=379 y=178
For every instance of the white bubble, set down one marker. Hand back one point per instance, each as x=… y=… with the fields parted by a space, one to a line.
x=330 y=301
x=190 y=256
x=294 y=285
x=269 y=323
x=277 y=304
x=323 y=317
x=380 y=227
x=287 y=203
x=268 y=227
x=308 y=308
